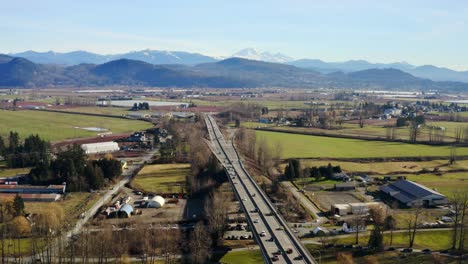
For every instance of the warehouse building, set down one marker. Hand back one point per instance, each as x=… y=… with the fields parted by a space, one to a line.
x=413 y=194
x=102 y=147
x=352 y=208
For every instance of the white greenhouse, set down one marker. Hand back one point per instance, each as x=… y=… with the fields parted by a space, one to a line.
x=156 y=202
x=102 y=147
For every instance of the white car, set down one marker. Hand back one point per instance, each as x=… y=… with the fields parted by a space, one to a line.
x=256 y=221
x=263 y=234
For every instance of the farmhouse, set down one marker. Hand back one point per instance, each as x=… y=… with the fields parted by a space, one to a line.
x=102 y=147
x=413 y=194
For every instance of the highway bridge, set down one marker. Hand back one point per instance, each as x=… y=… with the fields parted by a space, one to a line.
x=275 y=238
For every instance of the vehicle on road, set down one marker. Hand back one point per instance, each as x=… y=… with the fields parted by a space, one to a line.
x=263 y=234
x=426 y=251
x=280 y=228
x=299 y=257
x=277 y=252
x=289 y=251
x=256 y=221
x=275 y=258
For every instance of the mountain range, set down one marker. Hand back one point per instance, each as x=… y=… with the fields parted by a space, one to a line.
x=227 y=73
x=185 y=58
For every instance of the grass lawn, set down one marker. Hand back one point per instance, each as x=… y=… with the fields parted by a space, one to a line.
x=435 y=240
x=21 y=246
x=4 y=172
x=304 y=146
x=58 y=126
x=161 y=178
x=328 y=256
x=244 y=257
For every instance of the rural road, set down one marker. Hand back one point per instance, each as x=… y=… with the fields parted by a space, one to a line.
x=308 y=205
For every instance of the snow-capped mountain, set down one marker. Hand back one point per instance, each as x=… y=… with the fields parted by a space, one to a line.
x=254 y=54
x=150 y=56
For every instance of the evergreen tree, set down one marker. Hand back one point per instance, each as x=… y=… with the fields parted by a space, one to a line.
x=18 y=205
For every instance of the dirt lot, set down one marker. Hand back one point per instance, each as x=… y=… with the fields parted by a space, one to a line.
x=326 y=199
x=170 y=212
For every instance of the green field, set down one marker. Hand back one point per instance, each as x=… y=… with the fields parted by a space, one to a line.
x=162 y=178
x=118 y=111
x=380 y=131
x=384 y=168
x=435 y=240
x=58 y=126
x=304 y=146
x=244 y=257
x=446 y=183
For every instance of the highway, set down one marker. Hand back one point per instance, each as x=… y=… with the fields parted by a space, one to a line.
x=269 y=229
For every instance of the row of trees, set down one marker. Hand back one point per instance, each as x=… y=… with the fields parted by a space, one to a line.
x=140 y=106
x=294 y=170
x=30 y=152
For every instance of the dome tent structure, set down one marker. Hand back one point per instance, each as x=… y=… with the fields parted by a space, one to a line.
x=156 y=202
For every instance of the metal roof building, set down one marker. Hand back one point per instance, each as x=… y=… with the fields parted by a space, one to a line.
x=125 y=211
x=413 y=194
x=102 y=147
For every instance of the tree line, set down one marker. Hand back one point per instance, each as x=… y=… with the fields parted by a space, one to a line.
x=72 y=167
x=19 y=154
x=294 y=170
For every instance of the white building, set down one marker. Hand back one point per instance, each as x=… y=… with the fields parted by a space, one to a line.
x=352 y=208
x=102 y=147
x=156 y=202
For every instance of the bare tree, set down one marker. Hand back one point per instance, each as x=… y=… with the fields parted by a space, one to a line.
x=390 y=224
x=200 y=243
x=412 y=225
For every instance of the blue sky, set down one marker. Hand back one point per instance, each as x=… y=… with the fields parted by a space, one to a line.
x=419 y=32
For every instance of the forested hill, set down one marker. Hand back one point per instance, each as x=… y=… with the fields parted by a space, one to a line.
x=229 y=73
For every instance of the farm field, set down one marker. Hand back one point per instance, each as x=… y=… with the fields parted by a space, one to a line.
x=72 y=205
x=379 y=131
x=58 y=126
x=446 y=183
x=162 y=178
x=119 y=111
x=305 y=146
x=435 y=240
x=390 y=167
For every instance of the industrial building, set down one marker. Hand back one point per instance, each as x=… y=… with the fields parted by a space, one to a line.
x=413 y=194
x=352 y=208
x=31 y=189
x=125 y=211
x=102 y=147
x=156 y=202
